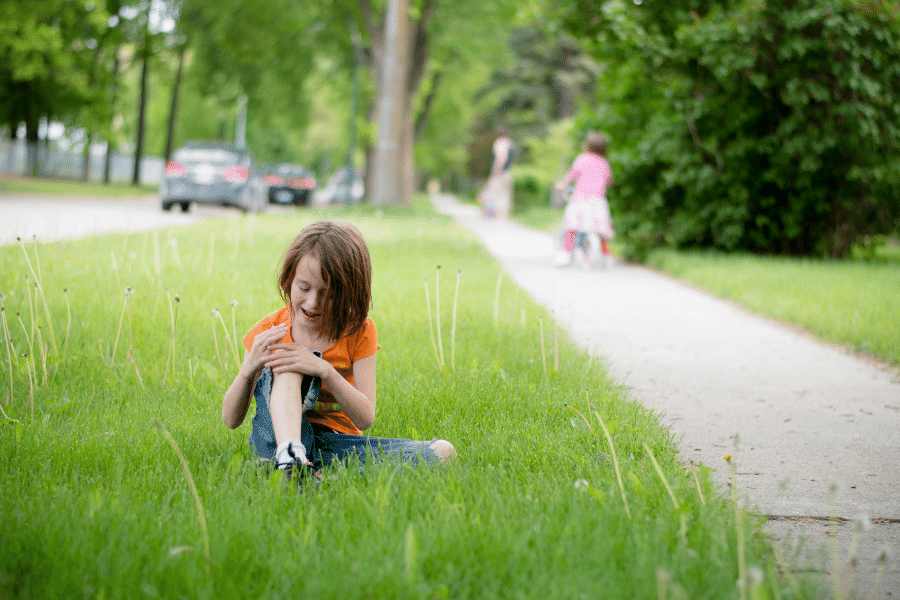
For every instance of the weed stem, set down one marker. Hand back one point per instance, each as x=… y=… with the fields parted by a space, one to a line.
x=453 y=325
x=437 y=311
x=583 y=418
x=543 y=355
x=186 y=469
x=437 y=356
x=662 y=475
x=615 y=457
x=40 y=289
x=497 y=301
x=68 y=324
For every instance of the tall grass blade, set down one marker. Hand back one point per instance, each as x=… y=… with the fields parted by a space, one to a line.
x=453 y=325
x=437 y=355
x=39 y=289
x=583 y=418
x=186 y=469
x=215 y=313
x=543 y=354
x=68 y=325
x=662 y=475
x=615 y=458
x=497 y=301
x=437 y=311
x=112 y=358
x=8 y=356
x=739 y=530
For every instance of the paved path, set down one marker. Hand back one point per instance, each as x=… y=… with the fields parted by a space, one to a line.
x=808 y=417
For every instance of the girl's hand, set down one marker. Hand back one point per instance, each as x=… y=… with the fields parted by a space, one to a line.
x=293 y=358
x=263 y=344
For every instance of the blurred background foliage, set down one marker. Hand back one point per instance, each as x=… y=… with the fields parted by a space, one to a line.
x=769 y=126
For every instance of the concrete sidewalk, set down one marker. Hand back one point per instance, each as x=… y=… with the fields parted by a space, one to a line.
x=815 y=431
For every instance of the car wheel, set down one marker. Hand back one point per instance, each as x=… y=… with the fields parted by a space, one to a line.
x=185 y=206
x=167 y=206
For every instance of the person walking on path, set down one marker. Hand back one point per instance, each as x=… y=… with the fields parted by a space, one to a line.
x=587 y=212
x=497 y=197
x=310 y=366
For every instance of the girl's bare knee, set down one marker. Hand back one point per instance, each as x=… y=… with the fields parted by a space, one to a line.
x=444 y=450
x=286 y=381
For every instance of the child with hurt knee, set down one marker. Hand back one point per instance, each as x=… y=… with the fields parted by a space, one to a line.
x=310 y=366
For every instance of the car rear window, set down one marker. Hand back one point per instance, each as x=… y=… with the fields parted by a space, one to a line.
x=205 y=155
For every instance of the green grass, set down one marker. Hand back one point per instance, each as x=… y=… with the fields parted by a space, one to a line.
x=95 y=502
x=853 y=303
x=64 y=187
x=542 y=218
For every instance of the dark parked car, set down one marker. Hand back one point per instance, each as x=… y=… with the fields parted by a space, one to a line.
x=290 y=184
x=213 y=173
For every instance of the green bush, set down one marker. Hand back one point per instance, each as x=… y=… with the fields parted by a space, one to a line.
x=529 y=190
x=769 y=127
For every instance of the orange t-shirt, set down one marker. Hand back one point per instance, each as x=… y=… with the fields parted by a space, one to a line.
x=340 y=355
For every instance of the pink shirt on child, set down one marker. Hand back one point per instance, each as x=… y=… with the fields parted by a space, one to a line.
x=592 y=175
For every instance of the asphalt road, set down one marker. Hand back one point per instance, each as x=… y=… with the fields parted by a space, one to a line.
x=48 y=219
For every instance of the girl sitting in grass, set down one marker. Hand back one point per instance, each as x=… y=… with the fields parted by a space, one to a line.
x=310 y=366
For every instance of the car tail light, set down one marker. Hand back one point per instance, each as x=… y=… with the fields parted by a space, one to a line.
x=175 y=169
x=274 y=180
x=238 y=174
x=304 y=182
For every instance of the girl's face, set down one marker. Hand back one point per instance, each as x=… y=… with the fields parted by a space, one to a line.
x=308 y=295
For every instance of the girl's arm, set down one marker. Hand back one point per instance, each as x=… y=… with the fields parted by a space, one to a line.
x=237 y=398
x=357 y=401
x=569 y=177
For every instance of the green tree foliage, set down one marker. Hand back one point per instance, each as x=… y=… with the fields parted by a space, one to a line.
x=766 y=126
x=49 y=57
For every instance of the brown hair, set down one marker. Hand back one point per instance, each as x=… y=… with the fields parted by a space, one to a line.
x=346 y=272
x=595 y=143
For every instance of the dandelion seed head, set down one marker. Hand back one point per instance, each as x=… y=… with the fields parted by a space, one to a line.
x=215 y=312
x=234 y=303
x=755 y=576
x=581 y=484
x=128 y=291
x=862 y=523
x=2 y=297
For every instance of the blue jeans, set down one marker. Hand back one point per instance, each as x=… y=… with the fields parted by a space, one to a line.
x=323 y=445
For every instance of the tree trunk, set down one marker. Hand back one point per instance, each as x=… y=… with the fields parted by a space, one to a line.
x=86 y=159
x=392 y=102
x=110 y=146
x=142 y=106
x=32 y=138
x=173 y=108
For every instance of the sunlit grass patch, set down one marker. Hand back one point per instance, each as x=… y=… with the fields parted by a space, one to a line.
x=67 y=187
